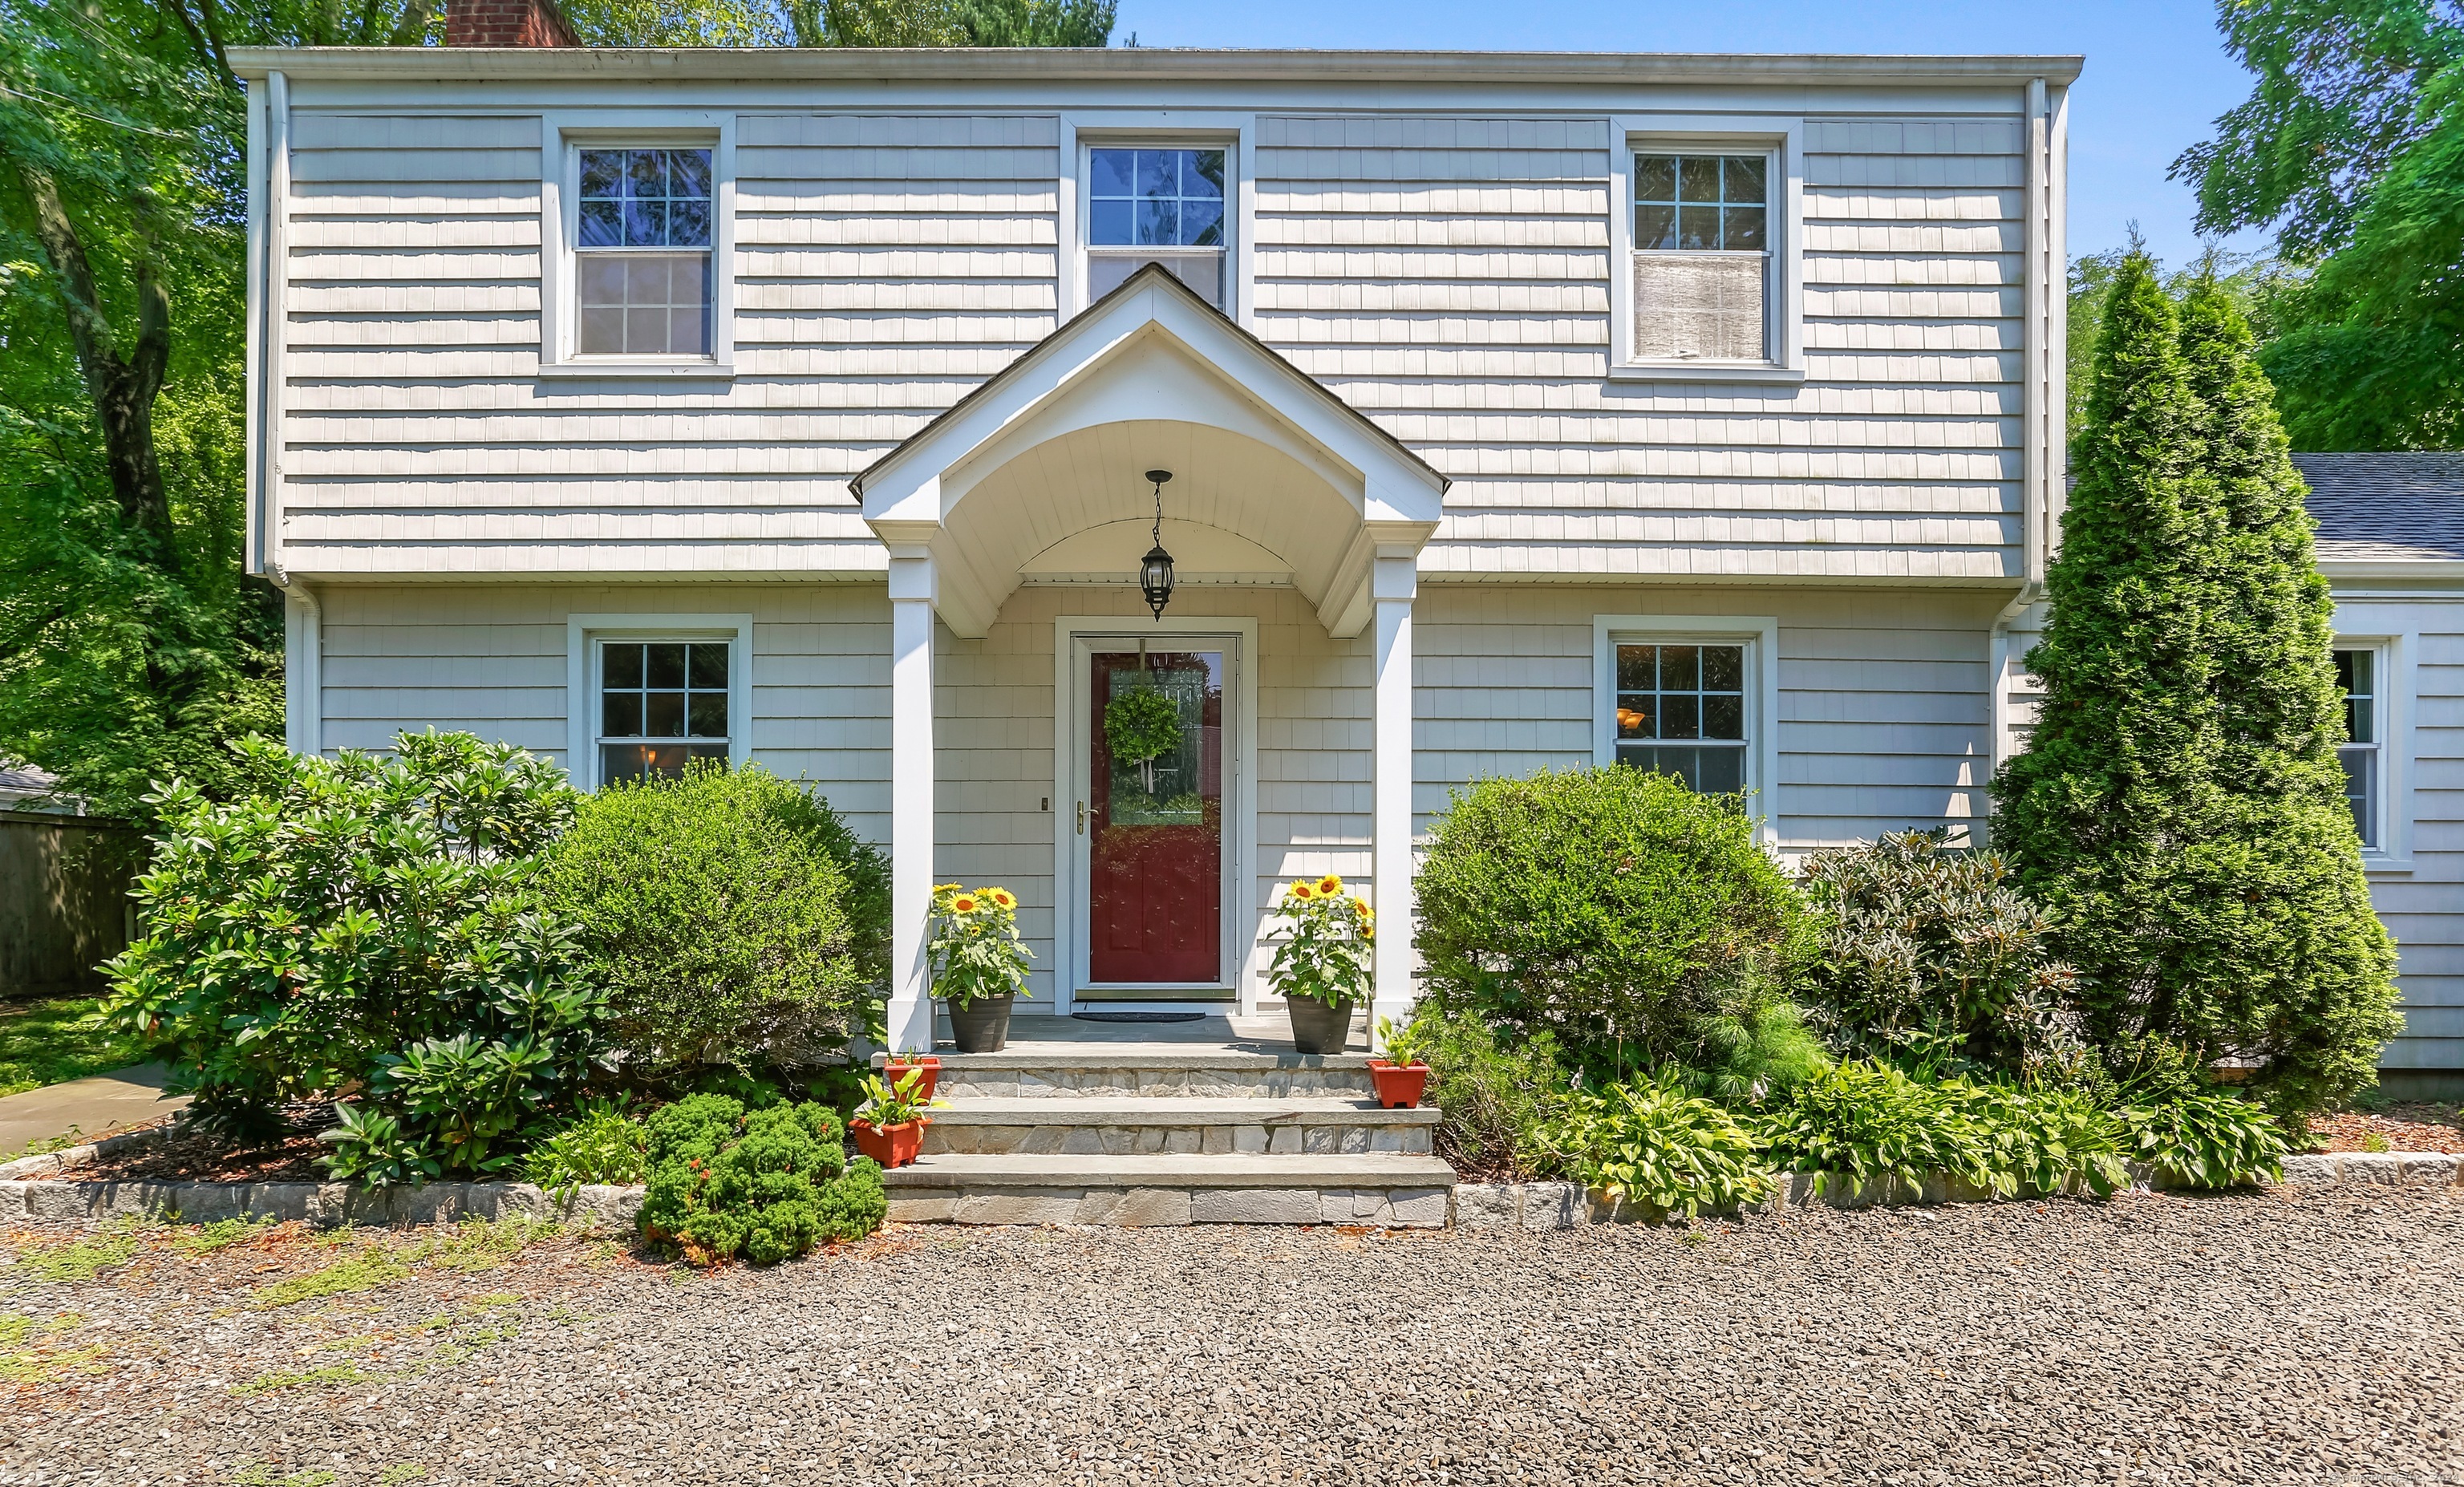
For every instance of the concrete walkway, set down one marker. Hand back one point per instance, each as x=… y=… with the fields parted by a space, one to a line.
x=94 y=1107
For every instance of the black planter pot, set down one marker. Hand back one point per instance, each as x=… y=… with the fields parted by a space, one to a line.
x=981 y=1026
x=1318 y=1028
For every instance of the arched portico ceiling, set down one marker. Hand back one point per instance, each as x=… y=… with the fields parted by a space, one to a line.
x=1048 y=458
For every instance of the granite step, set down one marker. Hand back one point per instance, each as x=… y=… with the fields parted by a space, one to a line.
x=1134 y=1125
x=1159 y=1070
x=1385 y=1191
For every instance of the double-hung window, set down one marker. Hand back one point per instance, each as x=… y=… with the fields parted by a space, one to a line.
x=662 y=704
x=1166 y=206
x=1680 y=710
x=2363 y=752
x=643 y=273
x=1702 y=269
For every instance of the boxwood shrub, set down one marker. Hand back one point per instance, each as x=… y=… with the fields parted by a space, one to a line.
x=766 y=1184
x=1615 y=910
x=732 y=917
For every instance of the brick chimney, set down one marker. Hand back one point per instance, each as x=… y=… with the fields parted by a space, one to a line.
x=506 y=23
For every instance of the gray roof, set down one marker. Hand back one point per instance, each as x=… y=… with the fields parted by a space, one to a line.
x=2386 y=507
x=24 y=787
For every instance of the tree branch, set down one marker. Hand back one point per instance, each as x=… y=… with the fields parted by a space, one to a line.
x=206 y=42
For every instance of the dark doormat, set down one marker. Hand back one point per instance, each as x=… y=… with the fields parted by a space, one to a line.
x=1138 y=1017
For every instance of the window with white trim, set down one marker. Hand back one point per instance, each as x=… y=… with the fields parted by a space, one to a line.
x=1702 y=256
x=645 y=221
x=1681 y=710
x=662 y=703
x=2363 y=754
x=1166 y=204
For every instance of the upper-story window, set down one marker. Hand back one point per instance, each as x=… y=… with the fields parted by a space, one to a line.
x=1163 y=205
x=1702 y=257
x=641 y=253
x=2357 y=675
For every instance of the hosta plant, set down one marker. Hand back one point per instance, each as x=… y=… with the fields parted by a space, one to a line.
x=2207 y=1139
x=1649 y=1143
x=602 y=1143
x=1328 y=956
x=1861 y=1123
x=2050 y=1140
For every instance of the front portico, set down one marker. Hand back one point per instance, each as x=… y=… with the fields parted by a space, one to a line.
x=1022 y=513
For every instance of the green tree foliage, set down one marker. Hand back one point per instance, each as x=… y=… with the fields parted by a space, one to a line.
x=370 y=924
x=2177 y=810
x=2351 y=145
x=1635 y=921
x=955 y=23
x=731 y=916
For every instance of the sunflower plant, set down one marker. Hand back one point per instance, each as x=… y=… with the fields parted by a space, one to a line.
x=975 y=952
x=1327 y=958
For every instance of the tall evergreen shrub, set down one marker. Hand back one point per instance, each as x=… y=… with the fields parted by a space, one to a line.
x=2178 y=808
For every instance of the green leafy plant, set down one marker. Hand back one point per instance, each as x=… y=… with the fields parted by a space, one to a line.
x=1651 y=1143
x=1494 y=1099
x=2209 y=1139
x=2048 y=1140
x=765 y=1184
x=1141 y=725
x=369 y=922
x=1931 y=958
x=974 y=950
x=886 y=1104
x=601 y=1144
x=1404 y=1046
x=1612 y=908
x=732 y=917
x=1328 y=957
x=1860 y=1123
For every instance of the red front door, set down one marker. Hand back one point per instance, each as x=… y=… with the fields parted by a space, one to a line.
x=1155 y=818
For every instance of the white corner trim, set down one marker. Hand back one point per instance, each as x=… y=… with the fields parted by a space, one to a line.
x=1241 y=913
x=1782 y=139
x=582 y=679
x=303 y=670
x=564 y=132
x=1761 y=634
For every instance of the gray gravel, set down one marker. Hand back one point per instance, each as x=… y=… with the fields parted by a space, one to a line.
x=2294 y=1337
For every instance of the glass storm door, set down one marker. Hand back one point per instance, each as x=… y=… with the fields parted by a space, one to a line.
x=1154 y=797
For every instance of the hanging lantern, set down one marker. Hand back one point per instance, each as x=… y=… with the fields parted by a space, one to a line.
x=1155 y=572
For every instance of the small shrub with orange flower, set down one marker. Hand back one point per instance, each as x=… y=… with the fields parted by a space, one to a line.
x=974 y=950
x=1328 y=956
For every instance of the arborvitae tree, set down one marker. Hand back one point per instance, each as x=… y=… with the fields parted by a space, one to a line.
x=2171 y=807
x=2312 y=992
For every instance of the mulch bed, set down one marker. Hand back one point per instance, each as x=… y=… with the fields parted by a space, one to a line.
x=2404 y=1125
x=184 y=1155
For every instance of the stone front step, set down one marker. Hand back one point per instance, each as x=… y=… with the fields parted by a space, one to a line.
x=1132 y=1125
x=1169 y=1071
x=1385 y=1191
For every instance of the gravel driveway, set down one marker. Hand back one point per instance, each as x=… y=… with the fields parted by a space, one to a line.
x=2306 y=1336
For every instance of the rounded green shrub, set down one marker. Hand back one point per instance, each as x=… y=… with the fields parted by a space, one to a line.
x=767 y=1184
x=1617 y=910
x=731 y=916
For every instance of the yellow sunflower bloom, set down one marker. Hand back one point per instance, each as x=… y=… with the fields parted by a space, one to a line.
x=1329 y=885
x=963 y=904
x=1302 y=892
x=1001 y=898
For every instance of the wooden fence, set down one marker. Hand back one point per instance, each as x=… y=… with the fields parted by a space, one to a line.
x=64 y=906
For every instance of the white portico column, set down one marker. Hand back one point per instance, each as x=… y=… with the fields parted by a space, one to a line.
x=1393 y=583
x=912 y=594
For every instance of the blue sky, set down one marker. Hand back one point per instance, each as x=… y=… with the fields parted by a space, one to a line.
x=2156 y=73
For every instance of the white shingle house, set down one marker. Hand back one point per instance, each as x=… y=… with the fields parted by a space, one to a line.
x=813 y=408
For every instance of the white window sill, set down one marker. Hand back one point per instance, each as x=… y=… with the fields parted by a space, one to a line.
x=2374 y=864
x=704 y=371
x=1705 y=372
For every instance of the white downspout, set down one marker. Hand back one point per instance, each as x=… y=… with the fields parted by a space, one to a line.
x=2040 y=431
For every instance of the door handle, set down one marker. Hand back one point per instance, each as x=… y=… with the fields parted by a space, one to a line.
x=1082 y=818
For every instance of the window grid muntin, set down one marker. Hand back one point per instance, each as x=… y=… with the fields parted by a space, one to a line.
x=643 y=267
x=681 y=699
x=1676 y=197
x=1680 y=709
x=1147 y=196
x=2357 y=673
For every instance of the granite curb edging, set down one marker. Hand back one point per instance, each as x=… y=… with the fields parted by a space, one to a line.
x=1540 y=1207
x=592 y=1208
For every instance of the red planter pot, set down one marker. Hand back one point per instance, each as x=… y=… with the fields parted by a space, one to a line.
x=1400 y=1086
x=896 y=1069
x=892 y=1145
